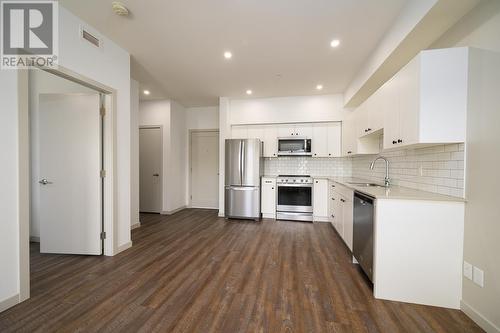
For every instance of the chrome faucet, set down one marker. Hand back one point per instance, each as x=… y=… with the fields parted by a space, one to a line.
x=387 y=181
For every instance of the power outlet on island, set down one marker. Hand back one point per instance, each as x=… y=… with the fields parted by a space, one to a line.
x=478 y=275
x=468 y=270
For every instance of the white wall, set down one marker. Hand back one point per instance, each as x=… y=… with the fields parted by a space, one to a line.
x=480 y=28
x=134 y=152
x=172 y=117
x=178 y=158
x=41 y=82
x=9 y=189
x=109 y=66
x=286 y=109
x=202 y=117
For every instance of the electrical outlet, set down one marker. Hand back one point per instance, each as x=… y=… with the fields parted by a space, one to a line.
x=478 y=277
x=467 y=270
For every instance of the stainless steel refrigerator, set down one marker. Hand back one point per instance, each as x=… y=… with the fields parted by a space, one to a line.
x=242 y=178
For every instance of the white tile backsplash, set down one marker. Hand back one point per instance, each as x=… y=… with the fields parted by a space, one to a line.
x=438 y=169
x=332 y=167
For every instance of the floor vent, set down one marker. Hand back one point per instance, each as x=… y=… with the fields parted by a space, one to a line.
x=91 y=38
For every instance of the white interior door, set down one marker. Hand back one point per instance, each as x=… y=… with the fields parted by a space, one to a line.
x=150 y=169
x=70 y=184
x=205 y=169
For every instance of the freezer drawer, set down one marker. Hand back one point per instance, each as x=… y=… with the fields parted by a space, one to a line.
x=242 y=202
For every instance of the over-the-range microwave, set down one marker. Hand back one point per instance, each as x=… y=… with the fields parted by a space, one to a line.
x=293 y=146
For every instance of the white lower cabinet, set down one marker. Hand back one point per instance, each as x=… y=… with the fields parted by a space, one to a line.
x=341 y=211
x=268 y=198
x=320 y=200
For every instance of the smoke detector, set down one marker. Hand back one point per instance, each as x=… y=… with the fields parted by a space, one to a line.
x=119 y=8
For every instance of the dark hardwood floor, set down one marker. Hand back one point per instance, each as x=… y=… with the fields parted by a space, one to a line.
x=195 y=272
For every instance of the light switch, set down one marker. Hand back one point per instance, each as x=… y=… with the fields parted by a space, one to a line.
x=467 y=270
x=478 y=277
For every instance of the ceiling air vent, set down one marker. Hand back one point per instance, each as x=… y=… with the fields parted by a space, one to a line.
x=91 y=38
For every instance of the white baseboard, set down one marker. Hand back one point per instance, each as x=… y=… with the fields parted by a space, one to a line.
x=321 y=219
x=171 y=212
x=135 y=225
x=123 y=247
x=269 y=216
x=9 y=302
x=35 y=239
x=478 y=318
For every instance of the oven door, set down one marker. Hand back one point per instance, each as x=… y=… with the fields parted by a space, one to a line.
x=295 y=198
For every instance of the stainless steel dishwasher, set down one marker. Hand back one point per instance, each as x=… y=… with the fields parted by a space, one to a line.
x=363 y=232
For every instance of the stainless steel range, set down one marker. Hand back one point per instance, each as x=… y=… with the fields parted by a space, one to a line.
x=294 y=198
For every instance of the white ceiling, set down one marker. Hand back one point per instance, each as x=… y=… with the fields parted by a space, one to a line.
x=280 y=47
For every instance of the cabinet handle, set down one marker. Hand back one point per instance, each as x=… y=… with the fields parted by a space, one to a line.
x=333 y=199
x=315 y=154
x=368 y=129
x=342 y=200
x=333 y=216
x=316 y=182
x=272 y=188
x=349 y=152
x=394 y=142
x=333 y=185
x=400 y=141
x=329 y=154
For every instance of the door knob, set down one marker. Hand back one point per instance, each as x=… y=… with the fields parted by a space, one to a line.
x=44 y=182
x=156 y=175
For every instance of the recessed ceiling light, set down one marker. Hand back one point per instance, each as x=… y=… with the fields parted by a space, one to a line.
x=119 y=8
x=147 y=92
x=335 y=43
x=228 y=55
x=249 y=92
x=319 y=87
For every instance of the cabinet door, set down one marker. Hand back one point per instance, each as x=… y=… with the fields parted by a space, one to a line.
x=349 y=139
x=334 y=136
x=320 y=198
x=255 y=132
x=338 y=216
x=285 y=131
x=239 y=132
x=409 y=104
x=347 y=219
x=391 y=112
x=304 y=130
x=362 y=120
x=268 y=205
x=270 y=141
x=375 y=112
x=320 y=140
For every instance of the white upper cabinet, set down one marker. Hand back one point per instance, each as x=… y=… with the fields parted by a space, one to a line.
x=334 y=137
x=270 y=141
x=298 y=130
x=320 y=140
x=349 y=135
x=255 y=132
x=239 y=132
x=428 y=99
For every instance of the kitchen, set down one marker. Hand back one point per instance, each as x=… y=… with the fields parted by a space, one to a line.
x=394 y=192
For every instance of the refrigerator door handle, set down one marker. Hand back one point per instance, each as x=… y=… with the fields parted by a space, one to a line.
x=243 y=160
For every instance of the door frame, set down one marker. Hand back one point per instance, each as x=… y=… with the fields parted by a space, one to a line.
x=190 y=164
x=110 y=194
x=162 y=178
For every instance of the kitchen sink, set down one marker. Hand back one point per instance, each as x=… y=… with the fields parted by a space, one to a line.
x=366 y=184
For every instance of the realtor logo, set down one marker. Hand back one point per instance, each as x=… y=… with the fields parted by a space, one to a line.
x=29 y=34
